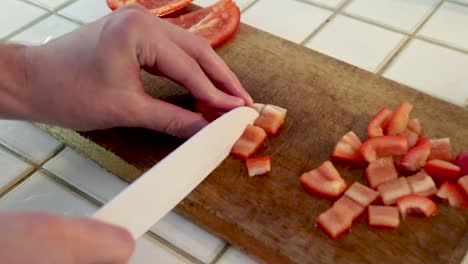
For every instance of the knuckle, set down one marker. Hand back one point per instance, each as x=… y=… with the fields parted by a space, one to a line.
x=203 y=49
x=126 y=21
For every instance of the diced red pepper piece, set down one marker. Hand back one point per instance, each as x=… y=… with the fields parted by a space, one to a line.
x=250 y=141
x=441 y=170
x=325 y=181
x=421 y=183
x=393 y=190
x=416 y=157
x=209 y=113
x=417 y=204
x=380 y=171
x=334 y=222
x=378 y=147
x=450 y=192
x=271 y=119
x=339 y=218
x=415 y=126
x=350 y=207
x=399 y=120
x=361 y=194
x=463 y=184
x=384 y=216
x=347 y=148
x=440 y=149
x=258 y=166
x=412 y=137
x=378 y=123
x=462 y=162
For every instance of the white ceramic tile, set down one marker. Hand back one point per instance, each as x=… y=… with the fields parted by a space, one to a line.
x=402 y=14
x=12 y=170
x=358 y=43
x=15 y=14
x=235 y=256
x=41 y=193
x=188 y=237
x=240 y=3
x=148 y=250
x=462 y=1
x=28 y=140
x=289 y=19
x=50 y=28
x=329 y=3
x=86 y=10
x=448 y=25
x=432 y=69
x=92 y=179
x=50 y=3
x=85 y=175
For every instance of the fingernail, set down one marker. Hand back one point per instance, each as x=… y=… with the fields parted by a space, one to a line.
x=250 y=100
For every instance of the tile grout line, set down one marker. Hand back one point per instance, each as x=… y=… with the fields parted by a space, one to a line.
x=220 y=254
x=35 y=167
x=329 y=8
x=386 y=63
x=441 y=43
x=174 y=247
x=49 y=13
x=324 y=23
x=456 y=2
x=249 y=6
x=387 y=27
x=374 y=23
x=97 y=202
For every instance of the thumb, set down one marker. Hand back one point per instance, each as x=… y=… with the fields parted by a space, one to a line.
x=93 y=241
x=168 y=118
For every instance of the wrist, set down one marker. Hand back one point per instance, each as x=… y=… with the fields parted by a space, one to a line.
x=13 y=81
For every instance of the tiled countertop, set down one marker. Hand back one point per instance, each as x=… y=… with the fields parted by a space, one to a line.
x=420 y=43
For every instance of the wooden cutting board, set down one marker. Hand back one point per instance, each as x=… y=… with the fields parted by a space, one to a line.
x=271 y=217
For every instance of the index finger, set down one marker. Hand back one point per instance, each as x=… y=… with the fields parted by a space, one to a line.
x=216 y=69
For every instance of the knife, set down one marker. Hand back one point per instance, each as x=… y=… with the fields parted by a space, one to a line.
x=144 y=202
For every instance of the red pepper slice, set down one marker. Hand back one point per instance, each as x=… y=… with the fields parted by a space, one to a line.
x=157 y=7
x=417 y=204
x=378 y=147
x=381 y=171
x=416 y=157
x=251 y=140
x=441 y=170
x=258 y=166
x=378 y=123
x=325 y=181
x=400 y=118
x=384 y=216
x=421 y=183
x=440 y=149
x=347 y=149
x=215 y=23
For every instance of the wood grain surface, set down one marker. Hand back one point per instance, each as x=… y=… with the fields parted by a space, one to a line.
x=271 y=217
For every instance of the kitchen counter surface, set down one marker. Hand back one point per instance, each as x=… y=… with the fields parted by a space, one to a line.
x=420 y=43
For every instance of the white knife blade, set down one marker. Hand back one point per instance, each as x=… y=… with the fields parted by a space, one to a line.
x=144 y=202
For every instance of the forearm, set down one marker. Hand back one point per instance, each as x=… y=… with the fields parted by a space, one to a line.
x=12 y=81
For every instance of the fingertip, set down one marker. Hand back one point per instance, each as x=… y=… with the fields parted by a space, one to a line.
x=249 y=101
x=109 y=243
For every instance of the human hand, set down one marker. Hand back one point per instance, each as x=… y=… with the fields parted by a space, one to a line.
x=44 y=239
x=90 y=78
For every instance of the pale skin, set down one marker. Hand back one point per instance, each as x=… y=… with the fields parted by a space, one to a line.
x=89 y=79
